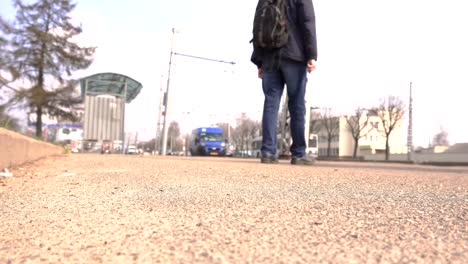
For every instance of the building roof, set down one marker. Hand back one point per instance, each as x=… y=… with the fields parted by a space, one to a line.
x=111 y=84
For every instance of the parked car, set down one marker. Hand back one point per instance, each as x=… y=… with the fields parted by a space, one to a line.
x=132 y=150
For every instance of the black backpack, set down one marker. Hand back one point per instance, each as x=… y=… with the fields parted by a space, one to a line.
x=270 y=27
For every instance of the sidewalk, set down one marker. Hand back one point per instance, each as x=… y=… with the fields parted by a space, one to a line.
x=87 y=208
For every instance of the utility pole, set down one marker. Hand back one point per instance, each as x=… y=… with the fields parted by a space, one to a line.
x=157 y=142
x=166 y=99
x=410 y=125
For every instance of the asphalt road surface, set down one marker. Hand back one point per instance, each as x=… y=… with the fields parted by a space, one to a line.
x=88 y=208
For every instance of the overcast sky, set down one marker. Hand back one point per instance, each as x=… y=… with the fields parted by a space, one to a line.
x=368 y=50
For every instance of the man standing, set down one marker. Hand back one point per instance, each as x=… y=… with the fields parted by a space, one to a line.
x=286 y=63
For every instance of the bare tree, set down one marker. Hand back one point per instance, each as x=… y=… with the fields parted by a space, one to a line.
x=40 y=40
x=314 y=124
x=173 y=135
x=441 y=138
x=356 y=125
x=390 y=111
x=331 y=125
x=245 y=131
x=187 y=138
x=149 y=145
x=227 y=130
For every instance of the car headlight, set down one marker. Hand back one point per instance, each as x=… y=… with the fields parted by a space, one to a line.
x=223 y=144
x=202 y=144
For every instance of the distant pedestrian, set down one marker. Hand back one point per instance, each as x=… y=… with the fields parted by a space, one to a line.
x=285 y=50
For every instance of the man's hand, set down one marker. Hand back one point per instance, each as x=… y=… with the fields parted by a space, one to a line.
x=311 y=65
x=260 y=73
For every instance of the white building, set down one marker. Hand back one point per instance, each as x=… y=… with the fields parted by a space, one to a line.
x=342 y=143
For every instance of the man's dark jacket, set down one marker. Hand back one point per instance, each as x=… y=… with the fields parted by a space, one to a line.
x=302 y=42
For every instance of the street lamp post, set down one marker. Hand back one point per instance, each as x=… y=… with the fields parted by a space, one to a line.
x=166 y=99
x=157 y=143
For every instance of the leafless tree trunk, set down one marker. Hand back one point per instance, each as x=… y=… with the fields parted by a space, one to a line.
x=390 y=111
x=173 y=133
x=356 y=126
x=331 y=124
x=314 y=124
x=246 y=130
x=227 y=130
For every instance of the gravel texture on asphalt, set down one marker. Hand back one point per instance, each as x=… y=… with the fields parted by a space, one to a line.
x=90 y=208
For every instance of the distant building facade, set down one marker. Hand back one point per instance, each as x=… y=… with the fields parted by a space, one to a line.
x=342 y=142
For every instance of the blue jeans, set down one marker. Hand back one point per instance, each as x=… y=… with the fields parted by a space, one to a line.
x=294 y=75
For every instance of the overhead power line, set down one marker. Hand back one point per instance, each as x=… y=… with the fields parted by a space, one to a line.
x=202 y=58
x=166 y=101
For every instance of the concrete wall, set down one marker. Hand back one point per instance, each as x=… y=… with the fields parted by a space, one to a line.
x=16 y=149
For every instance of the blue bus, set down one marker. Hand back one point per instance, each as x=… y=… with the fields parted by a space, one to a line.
x=207 y=141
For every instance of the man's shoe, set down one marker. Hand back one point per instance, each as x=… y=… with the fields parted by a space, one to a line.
x=304 y=160
x=269 y=159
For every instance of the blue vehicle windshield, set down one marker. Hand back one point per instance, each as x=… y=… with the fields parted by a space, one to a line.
x=211 y=137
